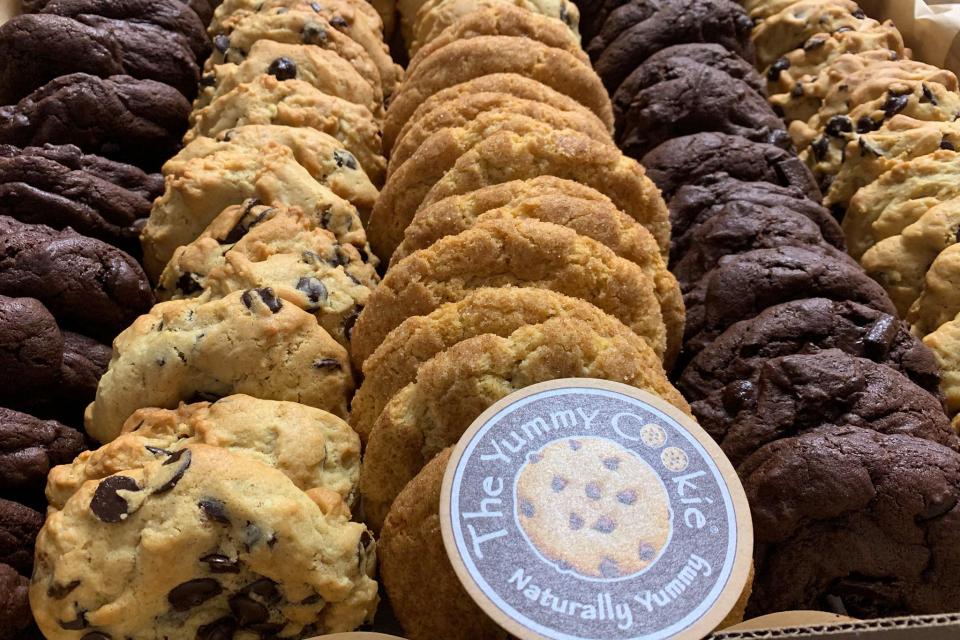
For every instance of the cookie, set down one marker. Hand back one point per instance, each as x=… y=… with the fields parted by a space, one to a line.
x=619 y=19
x=316 y=450
x=177 y=17
x=794 y=25
x=208 y=185
x=416 y=571
x=743 y=285
x=694 y=204
x=900 y=263
x=242 y=550
x=594 y=14
x=458 y=384
x=512 y=84
x=464 y=60
x=599 y=220
x=127 y=176
x=871 y=532
x=253 y=246
x=15 y=613
x=741 y=228
x=29 y=448
x=18 y=528
x=435 y=17
x=122 y=118
x=229 y=11
x=942 y=341
x=503 y=19
x=498 y=311
x=85 y=283
x=677 y=61
x=294 y=103
x=409 y=185
x=37 y=48
x=683 y=21
x=871 y=155
x=562 y=154
x=689 y=159
x=84 y=362
x=798 y=393
x=898 y=198
x=704 y=99
x=185 y=350
x=461 y=112
x=809 y=325
x=526 y=253
x=938 y=303
x=318 y=67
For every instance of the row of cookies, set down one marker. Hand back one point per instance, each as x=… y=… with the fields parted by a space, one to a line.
x=522 y=246
x=261 y=263
x=794 y=359
x=878 y=130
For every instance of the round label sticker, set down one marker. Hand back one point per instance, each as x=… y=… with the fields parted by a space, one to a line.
x=588 y=509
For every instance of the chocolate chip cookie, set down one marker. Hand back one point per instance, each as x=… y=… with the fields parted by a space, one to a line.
x=689 y=159
x=29 y=448
x=704 y=99
x=189 y=350
x=458 y=384
x=743 y=285
x=525 y=253
x=253 y=246
x=944 y=341
x=316 y=450
x=137 y=121
x=872 y=531
x=795 y=24
x=938 y=302
x=242 y=550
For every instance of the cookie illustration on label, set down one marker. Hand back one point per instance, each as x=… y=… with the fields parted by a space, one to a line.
x=674 y=459
x=593 y=508
x=653 y=436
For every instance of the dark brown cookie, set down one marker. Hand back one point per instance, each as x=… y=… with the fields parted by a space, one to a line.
x=806 y=326
x=86 y=284
x=678 y=61
x=15 y=616
x=593 y=14
x=854 y=520
x=688 y=159
x=201 y=7
x=36 y=48
x=19 y=526
x=743 y=285
x=618 y=20
x=29 y=448
x=723 y=22
x=738 y=229
x=170 y=16
x=127 y=176
x=136 y=121
x=705 y=99
x=31 y=348
x=84 y=362
x=696 y=203
x=798 y=393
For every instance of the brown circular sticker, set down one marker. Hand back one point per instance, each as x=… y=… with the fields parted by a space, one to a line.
x=587 y=509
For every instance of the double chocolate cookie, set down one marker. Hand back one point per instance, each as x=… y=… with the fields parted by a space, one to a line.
x=19 y=525
x=29 y=448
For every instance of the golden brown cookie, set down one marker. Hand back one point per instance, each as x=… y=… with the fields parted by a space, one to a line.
x=526 y=253
x=791 y=28
x=939 y=303
x=464 y=60
x=512 y=84
x=462 y=111
x=945 y=344
x=457 y=385
x=498 y=311
x=504 y=19
x=563 y=154
x=295 y=103
x=597 y=219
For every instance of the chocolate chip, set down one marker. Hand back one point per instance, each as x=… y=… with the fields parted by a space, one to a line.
x=208 y=80
x=157 y=451
x=565 y=15
x=895 y=104
x=107 y=503
x=201 y=396
x=839 y=125
x=265 y=590
x=316 y=7
x=605 y=525
x=866 y=148
x=339 y=22
x=327 y=363
x=314 y=599
x=627 y=496
x=647 y=552
x=96 y=635
x=736 y=395
x=193 y=593
x=351 y=320
x=215 y=510
x=881 y=335
x=244 y=224
x=313 y=33
x=251 y=535
x=61 y=591
x=78 y=623
x=609 y=568
x=865 y=124
x=188 y=284
x=843 y=29
x=928 y=95
x=558 y=484
x=858 y=14
x=576 y=522
x=247 y=610
x=797 y=90
x=364 y=547
x=267 y=295
x=310 y=257
x=344 y=159
x=222 y=629
x=946 y=144
x=814 y=43
x=820 y=147
x=779 y=66
x=527 y=508
x=221 y=42
x=315 y=291
x=283 y=68
x=182 y=459
x=219 y=563
x=611 y=463
x=592 y=490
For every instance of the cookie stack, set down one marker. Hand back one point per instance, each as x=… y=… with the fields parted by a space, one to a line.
x=793 y=358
